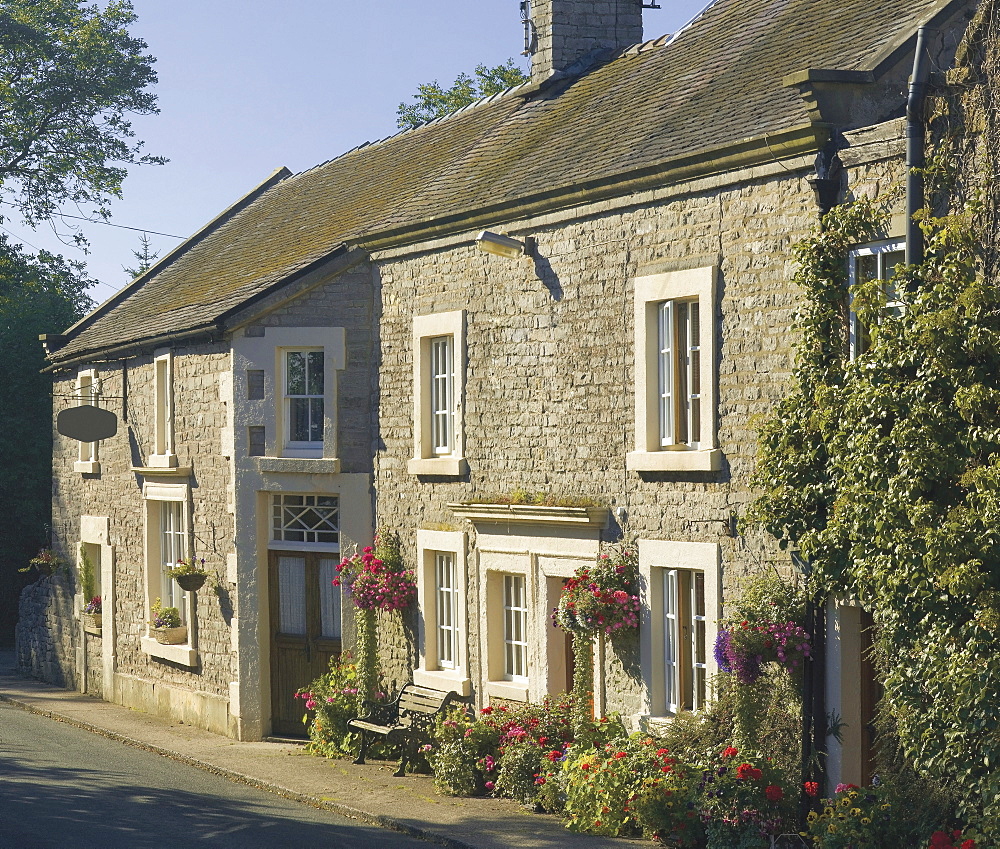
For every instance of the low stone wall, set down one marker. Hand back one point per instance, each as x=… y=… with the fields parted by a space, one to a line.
x=45 y=637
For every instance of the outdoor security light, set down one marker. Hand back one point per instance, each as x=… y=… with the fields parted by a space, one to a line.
x=499 y=245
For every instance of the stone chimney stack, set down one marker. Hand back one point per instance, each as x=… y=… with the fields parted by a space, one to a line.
x=566 y=30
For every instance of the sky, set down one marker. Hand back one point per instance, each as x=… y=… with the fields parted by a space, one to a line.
x=248 y=86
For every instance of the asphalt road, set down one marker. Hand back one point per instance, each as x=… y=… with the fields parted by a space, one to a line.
x=66 y=788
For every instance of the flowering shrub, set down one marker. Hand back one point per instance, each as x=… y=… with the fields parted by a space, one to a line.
x=744 y=800
x=332 y=698
x=502 y=752
x=376 y=578
x=669 y=806
x=602 y=597
x=604 y=785
x=94 y=605
x=953 y=840
x=742 y=649
x=164 y=617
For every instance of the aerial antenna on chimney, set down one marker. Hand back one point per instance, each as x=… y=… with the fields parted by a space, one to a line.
x=530 y=35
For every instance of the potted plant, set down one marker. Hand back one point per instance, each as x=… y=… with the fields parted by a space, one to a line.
x=189 y=574
x=166 y=625
x=45 y=562
x=92 y=614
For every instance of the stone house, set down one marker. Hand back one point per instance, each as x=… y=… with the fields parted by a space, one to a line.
x=339 y=351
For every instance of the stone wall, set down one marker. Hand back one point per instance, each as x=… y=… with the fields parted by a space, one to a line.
x=116 y=492
x=46 y=632
x=549 y=400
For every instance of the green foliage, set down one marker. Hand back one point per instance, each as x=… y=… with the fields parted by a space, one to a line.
x=366 y=647
x=86 y=573
x=145 y=259
x=885 y=472
x=431 y=101
x=39 y=294
x=603 y=784
x=70 y=75
x=333 y=700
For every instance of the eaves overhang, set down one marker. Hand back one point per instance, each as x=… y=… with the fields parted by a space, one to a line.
x=786 y=144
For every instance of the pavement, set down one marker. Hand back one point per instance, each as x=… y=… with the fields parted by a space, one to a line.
x=368 y=793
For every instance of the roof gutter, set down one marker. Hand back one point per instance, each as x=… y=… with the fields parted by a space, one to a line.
x=915 y=152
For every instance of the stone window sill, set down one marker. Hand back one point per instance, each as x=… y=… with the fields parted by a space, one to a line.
x=301 y=465
x=513 y=690
x=443 y=679
x=183 y=654
x=674 y=461
x=87 y=467
x=447 y=466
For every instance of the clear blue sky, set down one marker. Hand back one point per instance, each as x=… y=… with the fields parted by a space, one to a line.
x=246 y=86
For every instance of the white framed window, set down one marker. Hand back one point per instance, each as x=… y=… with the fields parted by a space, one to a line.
x=173 y=547
x=438 y=389
x=167 y=540
x=305 y=521
x=679 y=374
x=681 y=607
x=515 y=628
x=304 y=396
x=443 y=395
x=88 y=391
x=685 y=660
x=865 y=264
x=442 y=630
x=288 y=377
x=675 y=384
x=164 y=454
x=446 y=590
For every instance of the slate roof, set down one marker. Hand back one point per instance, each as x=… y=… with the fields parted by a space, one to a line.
x=716 y=83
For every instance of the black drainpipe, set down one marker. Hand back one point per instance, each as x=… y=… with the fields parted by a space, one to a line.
x=915 y=158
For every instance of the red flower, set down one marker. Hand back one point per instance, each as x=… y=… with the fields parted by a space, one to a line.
x=730 y=752
x=968 y=844
x=619 y=756
x=743 y=771
x=811 y=788
x=773 y=793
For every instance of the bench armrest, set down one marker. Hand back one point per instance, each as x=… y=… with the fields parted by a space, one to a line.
x=379 y=713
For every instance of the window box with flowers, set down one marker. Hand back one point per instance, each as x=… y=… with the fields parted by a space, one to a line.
x=166 y=626
x=91 y=616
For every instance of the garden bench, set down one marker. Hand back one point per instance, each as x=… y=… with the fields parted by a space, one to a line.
x=407 y=721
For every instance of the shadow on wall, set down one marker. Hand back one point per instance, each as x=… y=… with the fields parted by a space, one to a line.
x=46 y=632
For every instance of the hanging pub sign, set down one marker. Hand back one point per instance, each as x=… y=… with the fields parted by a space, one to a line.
x=87 y=423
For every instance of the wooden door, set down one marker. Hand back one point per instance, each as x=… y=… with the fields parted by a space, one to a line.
x=304 y=627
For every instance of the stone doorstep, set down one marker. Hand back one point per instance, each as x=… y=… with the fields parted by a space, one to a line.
x=368 y=793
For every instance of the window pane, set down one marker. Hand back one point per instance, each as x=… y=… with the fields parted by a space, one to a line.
x=867 y=267
x=665 y=376
x=442 y=391
x=670 y=614
x=315 y=419
x=298 y=419
x=446 y=609
x=515 y=627
x=295 y=375
x=329 y=599
x=292 y=595
x=683 y=384
x=314 y=384
x=306 y=518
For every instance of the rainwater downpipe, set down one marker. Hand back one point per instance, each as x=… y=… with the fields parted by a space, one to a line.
x=915 y=159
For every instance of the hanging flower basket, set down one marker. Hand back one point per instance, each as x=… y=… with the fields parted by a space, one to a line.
x=192 y=582
x=189 y=574
x=170 y=636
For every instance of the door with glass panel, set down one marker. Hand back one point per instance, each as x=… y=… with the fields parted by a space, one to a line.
x=305 y=630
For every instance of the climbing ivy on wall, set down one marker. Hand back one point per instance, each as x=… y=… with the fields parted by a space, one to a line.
x=885 y=471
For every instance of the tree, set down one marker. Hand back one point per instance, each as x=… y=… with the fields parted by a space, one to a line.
x=70 y=75
x=144 y=256
x=37 y=295
x=431 y=101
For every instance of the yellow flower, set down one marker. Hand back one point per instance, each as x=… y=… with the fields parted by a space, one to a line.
x=866 y=821
x=885 y=806
x=855 y=812
x=813 y=816
x=832 y=829
x=845 y=802
x=828 y=812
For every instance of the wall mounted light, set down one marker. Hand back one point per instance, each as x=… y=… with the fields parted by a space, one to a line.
x=500 y=245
